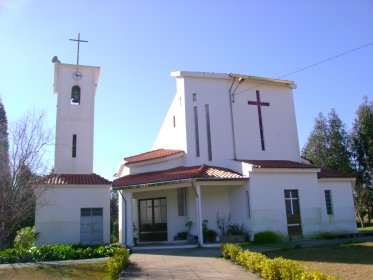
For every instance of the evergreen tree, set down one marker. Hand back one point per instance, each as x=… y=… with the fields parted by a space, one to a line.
x=328 y=143
x=362 y=143
x=4 y=145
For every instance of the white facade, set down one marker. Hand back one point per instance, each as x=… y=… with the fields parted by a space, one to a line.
x=59 y=221
x=246 y=124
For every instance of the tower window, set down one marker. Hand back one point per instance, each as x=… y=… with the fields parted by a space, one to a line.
x=75 y=95
x=174 y=121
x=74 y=146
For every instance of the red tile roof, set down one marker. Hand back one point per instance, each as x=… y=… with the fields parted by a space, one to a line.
x=72 y=179
x=160 y=153
x=175 y=174
x=279 y=164
x=327 y=173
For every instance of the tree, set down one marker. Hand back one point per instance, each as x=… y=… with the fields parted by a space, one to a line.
x=28 y=142
x=362 y=153
x=114 y=217
x=328 y=144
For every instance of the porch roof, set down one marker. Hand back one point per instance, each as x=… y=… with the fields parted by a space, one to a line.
x=173 y=175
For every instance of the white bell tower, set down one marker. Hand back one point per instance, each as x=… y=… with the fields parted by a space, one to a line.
x=75 y=86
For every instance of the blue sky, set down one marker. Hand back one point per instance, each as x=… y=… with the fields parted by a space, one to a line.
x=138 y=43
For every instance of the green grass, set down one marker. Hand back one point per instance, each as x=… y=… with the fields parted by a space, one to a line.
x=366 y=228
x=349 y=261
x=52 y=272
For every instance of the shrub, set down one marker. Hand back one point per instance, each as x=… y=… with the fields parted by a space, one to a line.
x=117 y=263
x=267 y=237
x=252 y=261
x=280 y=268
x=25 y=237
x=230 y=251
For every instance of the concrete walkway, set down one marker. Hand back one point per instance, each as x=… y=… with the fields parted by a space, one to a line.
x=196 y=263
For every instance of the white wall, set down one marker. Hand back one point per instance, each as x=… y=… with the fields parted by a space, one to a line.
x=59 y=221
x=343 y=217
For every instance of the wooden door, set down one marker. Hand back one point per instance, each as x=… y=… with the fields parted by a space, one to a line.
x=293 y=212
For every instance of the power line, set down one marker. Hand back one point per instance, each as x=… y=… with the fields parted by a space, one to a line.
x=312 y=65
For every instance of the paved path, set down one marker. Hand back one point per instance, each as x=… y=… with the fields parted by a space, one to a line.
x=197 y=263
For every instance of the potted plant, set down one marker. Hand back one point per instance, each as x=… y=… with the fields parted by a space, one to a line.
x=189 y=225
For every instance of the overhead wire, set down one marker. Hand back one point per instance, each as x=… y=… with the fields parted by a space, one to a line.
x=309 y=66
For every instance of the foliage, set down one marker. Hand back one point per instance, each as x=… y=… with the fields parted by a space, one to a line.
x=235 y=229
x=56 y=252
x=189 y=225
x=117 y=263
x=223 y=223
x=28 y=143
x=25 y=237
x=114 y=226
x=328 y=143
x=267 y=237
x=272 y=269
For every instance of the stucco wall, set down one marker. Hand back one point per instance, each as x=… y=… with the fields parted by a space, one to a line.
x=59 y=221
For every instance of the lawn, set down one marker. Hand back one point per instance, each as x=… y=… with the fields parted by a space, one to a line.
x=66 y=272
x=348 y=261
x=366 y=229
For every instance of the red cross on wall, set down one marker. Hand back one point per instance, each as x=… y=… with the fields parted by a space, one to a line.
x=259 y=105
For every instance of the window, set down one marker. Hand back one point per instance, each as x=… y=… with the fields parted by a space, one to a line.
x=75 y=95
x=194 y=97
x=74 y=146
x=328 y=202
x=248 y=204
x=208 y=132
x=174 y=121
x=291 y=201
x=182 y=201
x=196 y=131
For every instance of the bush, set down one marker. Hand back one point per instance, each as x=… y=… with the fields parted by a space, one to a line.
x=56 y=252
x=272 y=269
x=117 y=263
x=25 y=237
x=230 y=251
x=267 y=237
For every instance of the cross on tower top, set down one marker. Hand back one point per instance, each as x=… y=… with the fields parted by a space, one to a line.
x=78 y=40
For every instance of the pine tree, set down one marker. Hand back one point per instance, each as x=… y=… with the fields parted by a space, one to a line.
x=4 y=145
x=328 y=143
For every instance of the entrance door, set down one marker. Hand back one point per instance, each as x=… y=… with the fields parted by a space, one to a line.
x=91 y=226
x=293 y=212
x=153 y=219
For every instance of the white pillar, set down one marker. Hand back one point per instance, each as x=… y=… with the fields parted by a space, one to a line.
x=199 y=214
x=128 y=196
x=121 y=219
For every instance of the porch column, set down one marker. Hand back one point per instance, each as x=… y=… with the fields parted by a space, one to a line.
x=128 y=196
x=199 y=214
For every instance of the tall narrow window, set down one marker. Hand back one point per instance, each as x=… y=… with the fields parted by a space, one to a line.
x=74 y=146
x=209 y=150
x=248 y=204
x=75 y=95
x=328 y=202
x=196 y=131
x=174 y=121
x=182 y=201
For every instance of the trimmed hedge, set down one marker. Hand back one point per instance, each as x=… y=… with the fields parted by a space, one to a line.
x=117 y=263
x=267 y=237
x=271 y=269
x=56 y=252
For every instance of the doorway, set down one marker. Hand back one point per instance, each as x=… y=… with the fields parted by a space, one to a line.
x=153 y=219
x=293 y=212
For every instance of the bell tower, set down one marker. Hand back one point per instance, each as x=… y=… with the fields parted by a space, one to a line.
x=75 y=87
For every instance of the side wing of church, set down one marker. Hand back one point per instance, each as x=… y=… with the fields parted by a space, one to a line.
x=228 y=150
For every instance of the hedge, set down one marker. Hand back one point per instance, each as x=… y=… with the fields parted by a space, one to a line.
x=117 y=263
x=271 y=269
x=55 y=252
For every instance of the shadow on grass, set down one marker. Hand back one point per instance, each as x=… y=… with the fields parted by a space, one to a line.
x=352 y=253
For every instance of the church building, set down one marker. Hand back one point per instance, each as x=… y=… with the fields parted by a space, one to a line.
x=228 y=149
x=74 y=203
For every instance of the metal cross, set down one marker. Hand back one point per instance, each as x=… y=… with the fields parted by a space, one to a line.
x=77 y=56
x=258 y=103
